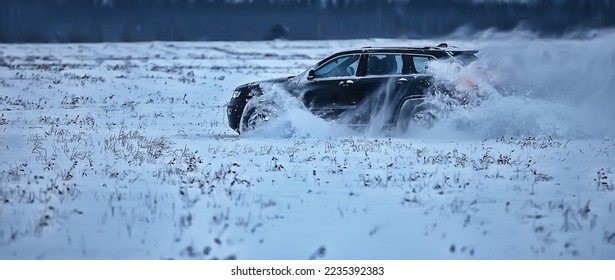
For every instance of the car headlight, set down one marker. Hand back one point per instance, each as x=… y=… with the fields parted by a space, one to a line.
x=236 y=94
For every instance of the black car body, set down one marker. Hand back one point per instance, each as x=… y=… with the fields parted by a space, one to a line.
x=353 y=85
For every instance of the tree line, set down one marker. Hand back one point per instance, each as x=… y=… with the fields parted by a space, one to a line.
x=179 y=20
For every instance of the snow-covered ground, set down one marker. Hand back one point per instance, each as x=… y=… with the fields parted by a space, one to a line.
x=121 y=151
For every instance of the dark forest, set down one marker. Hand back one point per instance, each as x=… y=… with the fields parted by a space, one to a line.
x=34 y=21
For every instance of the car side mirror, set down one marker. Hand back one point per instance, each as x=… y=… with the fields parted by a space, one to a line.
x=310 y=75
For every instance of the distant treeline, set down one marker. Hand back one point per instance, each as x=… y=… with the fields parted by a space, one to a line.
x=178 y=20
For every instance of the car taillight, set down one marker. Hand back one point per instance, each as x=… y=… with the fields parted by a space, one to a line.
x=468 y=84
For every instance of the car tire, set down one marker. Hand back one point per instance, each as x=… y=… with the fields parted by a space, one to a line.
x=255 y=116
x=414 y=113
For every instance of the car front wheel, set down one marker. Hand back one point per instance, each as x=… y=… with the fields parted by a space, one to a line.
x=256 y=116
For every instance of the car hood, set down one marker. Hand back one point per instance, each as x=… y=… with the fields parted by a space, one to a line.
x=268 y=81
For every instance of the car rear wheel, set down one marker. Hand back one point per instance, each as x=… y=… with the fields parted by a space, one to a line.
x=423 y=119
x=413 y=114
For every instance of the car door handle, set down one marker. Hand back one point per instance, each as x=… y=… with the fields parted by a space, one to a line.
x=346 y=83
x=402 y=80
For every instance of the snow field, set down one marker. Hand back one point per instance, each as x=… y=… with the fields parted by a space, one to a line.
x=121 y=151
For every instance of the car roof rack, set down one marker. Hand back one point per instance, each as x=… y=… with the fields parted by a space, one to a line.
x=442 y=47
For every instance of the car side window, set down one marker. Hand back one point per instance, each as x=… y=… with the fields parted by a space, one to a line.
x=420 y=64
x=384 y=64
x=342 y=66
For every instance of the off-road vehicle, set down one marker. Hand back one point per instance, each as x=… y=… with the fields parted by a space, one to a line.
x=353 y=86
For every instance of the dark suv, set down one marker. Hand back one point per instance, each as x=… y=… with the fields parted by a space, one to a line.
x=352 y=86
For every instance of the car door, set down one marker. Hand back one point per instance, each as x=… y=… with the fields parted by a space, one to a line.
x=379 y=84
x=418 y=80
x=330 y=85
